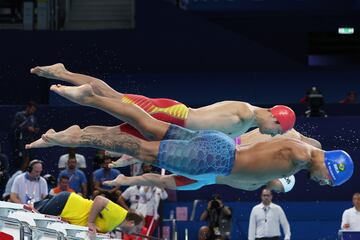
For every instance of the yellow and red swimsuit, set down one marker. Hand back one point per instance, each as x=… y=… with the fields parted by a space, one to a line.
x=164 y=109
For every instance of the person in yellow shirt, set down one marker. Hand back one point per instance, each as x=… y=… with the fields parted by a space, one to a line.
x=100 y=214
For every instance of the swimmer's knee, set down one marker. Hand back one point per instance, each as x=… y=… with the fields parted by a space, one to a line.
x=151 y=131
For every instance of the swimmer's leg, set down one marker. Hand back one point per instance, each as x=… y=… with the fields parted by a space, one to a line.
x=201 y=158
x=40 y=143
x=113 y=141
x=148 y=126
x=150 y=179
x=173 y=132
x=59 y=72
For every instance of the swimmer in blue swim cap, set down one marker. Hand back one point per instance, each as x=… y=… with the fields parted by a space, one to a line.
x=336 y=169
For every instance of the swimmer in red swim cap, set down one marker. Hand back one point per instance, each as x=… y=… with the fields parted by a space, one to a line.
x=233 y=118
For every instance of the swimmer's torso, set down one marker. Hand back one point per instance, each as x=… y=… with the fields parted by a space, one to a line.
x=229 y=117
x=260 y=163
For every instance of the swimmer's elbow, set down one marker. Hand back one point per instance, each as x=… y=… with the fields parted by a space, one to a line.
x=100 y=202
x=313 y=142
x=318 y=144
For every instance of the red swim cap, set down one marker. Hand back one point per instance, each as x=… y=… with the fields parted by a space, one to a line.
x=285 y=116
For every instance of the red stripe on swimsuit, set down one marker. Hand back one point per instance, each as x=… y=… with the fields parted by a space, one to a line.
x=182 y=181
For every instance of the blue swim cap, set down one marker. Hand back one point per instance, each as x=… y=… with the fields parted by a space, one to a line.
x=340 y=166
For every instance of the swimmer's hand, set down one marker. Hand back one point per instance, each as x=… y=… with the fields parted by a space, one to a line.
x=92 y=230
x=275 y=186
x=346 y=226
x=30 y=208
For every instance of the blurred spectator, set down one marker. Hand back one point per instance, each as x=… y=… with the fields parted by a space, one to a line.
x=136 y=169
x=50 y=180
x=63 y=186
x=25 y=128
x=219 y=218
x=137 y=196
x=29 y=187
x=147 y=168
x=350 y=98
x=80 y=159
x=96 y=164
x=77 y=178
x=265 y=220
x=4 y=171
x=305 y=99
x=106 y=174
x=315 y=101
x=204 y=233
x=152 y=206
x=10 y=182
x=351 y=217
x=98 y=159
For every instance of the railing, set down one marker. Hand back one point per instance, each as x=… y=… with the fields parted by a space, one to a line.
x=12 y=227
x=348 y=235
x=59 y=13
x=174 y=230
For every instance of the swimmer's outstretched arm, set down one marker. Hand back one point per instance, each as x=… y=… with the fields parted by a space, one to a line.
x=169 y=182
x=313 y=142
x=255 y=136
x=98 y=205
x=148 y=179
x=59 y=72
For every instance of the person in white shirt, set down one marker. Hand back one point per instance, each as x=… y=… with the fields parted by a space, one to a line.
x=152 y=215
x=6 y=194
x=138 y=196
x=351 y=216
x=29 y=187
x=265 y=220
x=80 y=159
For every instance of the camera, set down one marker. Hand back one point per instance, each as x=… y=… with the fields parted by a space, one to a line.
x=214 y=204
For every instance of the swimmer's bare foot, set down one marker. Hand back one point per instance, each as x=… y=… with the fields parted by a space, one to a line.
x=120 y=180
x=78 y=94
x=124 y=161
x=40 y=143
x=55 y=71
x=70 y=137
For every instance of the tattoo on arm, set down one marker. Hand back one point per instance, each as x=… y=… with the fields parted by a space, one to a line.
x=121 y=142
